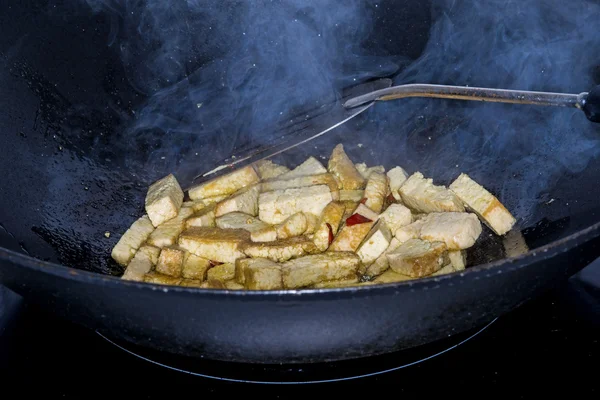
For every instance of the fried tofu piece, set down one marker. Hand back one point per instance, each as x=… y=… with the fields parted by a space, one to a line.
x=390 y=276
x=338 y=283
x=417 y=258
x=312 y=221
x=367 y=171
x=396 y=176
x=214 y=199
x=344 y=170
x=352 y=195
x=191 y=283
x=240 y=220
x=163 y=200
x=459 y=230
x=381 y=264
x=226 y=184
x=222 y=245
x=396 y=216
x=375 y=191
x=458 y=259
x=166 y=234
x=514 y=243
x=410 y=231
x=446 y=269
x=267 y=169
x=280 y=250
x=328 y=225
x=377 y=240
x=265 y=234
x=170 y=261
x=222 y=272
x=312 y=269
x=195 y=267
x=352 y=234
x=240 y=267
x=275 y=206
x=233 y=285
x=483 y=203
x=421 y=195
x=212 y=284
x=204 y=217
x=260 y=274
x=311 y=166
x=350 y=208
x=245 y=200
x=195 y=205
x=294 y=225
x=131 y=240
x=303 y=181
x=143 y=261
x=155 y=277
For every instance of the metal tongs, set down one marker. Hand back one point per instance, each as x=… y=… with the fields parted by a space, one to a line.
x=588 y=102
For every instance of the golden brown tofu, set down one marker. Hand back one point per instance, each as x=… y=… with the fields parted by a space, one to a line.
x=350 y=281
x=367 y=171
x=381 y=264
x=312 y=269
x=191 y=283
x=196 y=205
x=245 y=200
x=266 y=234
x=166 y=234
x=344 y=170
x=302 y=181
x=240 y=267
x=459 y=230
x=375 y=191
x=458 y=259
x=152 y=252
x=142 y=263
x=390 y=276
x=233 y=285
x=155 y=277
x=311 y=166
x=267 y=169
x=280 y=250
x=483 y=203
x=352 y=195
x=213 y=200
x=225 y=184
x=163 y=200
x=170 y=261
x=277 y=205
x=240 y=220
x=421 y=195
x=328 y=225
x=350 y=208
x=294 y=225
x=262 y=274
x=131 y=240
x=204 y=217
x=312 y=222
x=222 y=245
x=417 y=258
x=355 y=229
x=212 y=284
x=221 y=272
x=446 y=269
x=195 y=267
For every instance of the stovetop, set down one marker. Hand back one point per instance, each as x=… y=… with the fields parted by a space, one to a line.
x=548 y=343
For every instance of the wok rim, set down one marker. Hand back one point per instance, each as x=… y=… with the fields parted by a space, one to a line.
x=476 y=272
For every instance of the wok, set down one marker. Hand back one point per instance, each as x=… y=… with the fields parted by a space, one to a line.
x=71 y=172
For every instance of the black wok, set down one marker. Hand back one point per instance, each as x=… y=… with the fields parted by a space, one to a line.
x=72 y=172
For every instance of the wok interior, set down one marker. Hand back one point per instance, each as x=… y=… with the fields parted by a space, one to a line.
x=74 y=178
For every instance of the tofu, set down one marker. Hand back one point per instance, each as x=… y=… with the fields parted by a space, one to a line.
x=166 y=234
x=458 y=259
x=225 y=184
x=142 y=263
x=411 y=231
x=267 y=169
x=311 y=166
x=204 y=217
x=312 y=269
x=275 y=206
x=459 y=230
x=295 y=225
x=390 y=276
x=161 y=279
x=212 y=284
x=446 y=269
x=396 y=176
x=195 y=267
x=344 y=170
x=170 y=261
x=351 y=236
x=195 y=205
x=214 y=199
x=233 y=285
x=131 y=240
x=240 y=220
x=396 y=216
x=328 y=224
x=484 y=204
x=280 y=250
x=191 y=283
x=303 y=181
x=163 y=200
x=417 y=258
x=381 y=264
x=266 y=234
x=375 y=243
x=240 y=267
x=221 y=273
x=221 y=245
x=245 y=200
x=312 y=221
x=350 y=208
x=421 y=195
x=346 y=282
x=352 y=195
x=367 y=171
x=262 y=274
x=375 y=191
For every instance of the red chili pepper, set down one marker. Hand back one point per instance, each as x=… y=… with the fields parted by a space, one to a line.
x=363 y=201
x=390 y=199
x=357 y=219
x=214 y=263
x=330 y=232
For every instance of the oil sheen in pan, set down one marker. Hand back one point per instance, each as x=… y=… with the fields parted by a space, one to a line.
x=298 y=373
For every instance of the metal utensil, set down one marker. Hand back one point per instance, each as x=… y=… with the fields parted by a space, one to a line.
x=588 y=102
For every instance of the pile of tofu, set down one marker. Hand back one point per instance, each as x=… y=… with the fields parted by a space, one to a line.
x=269 y=227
